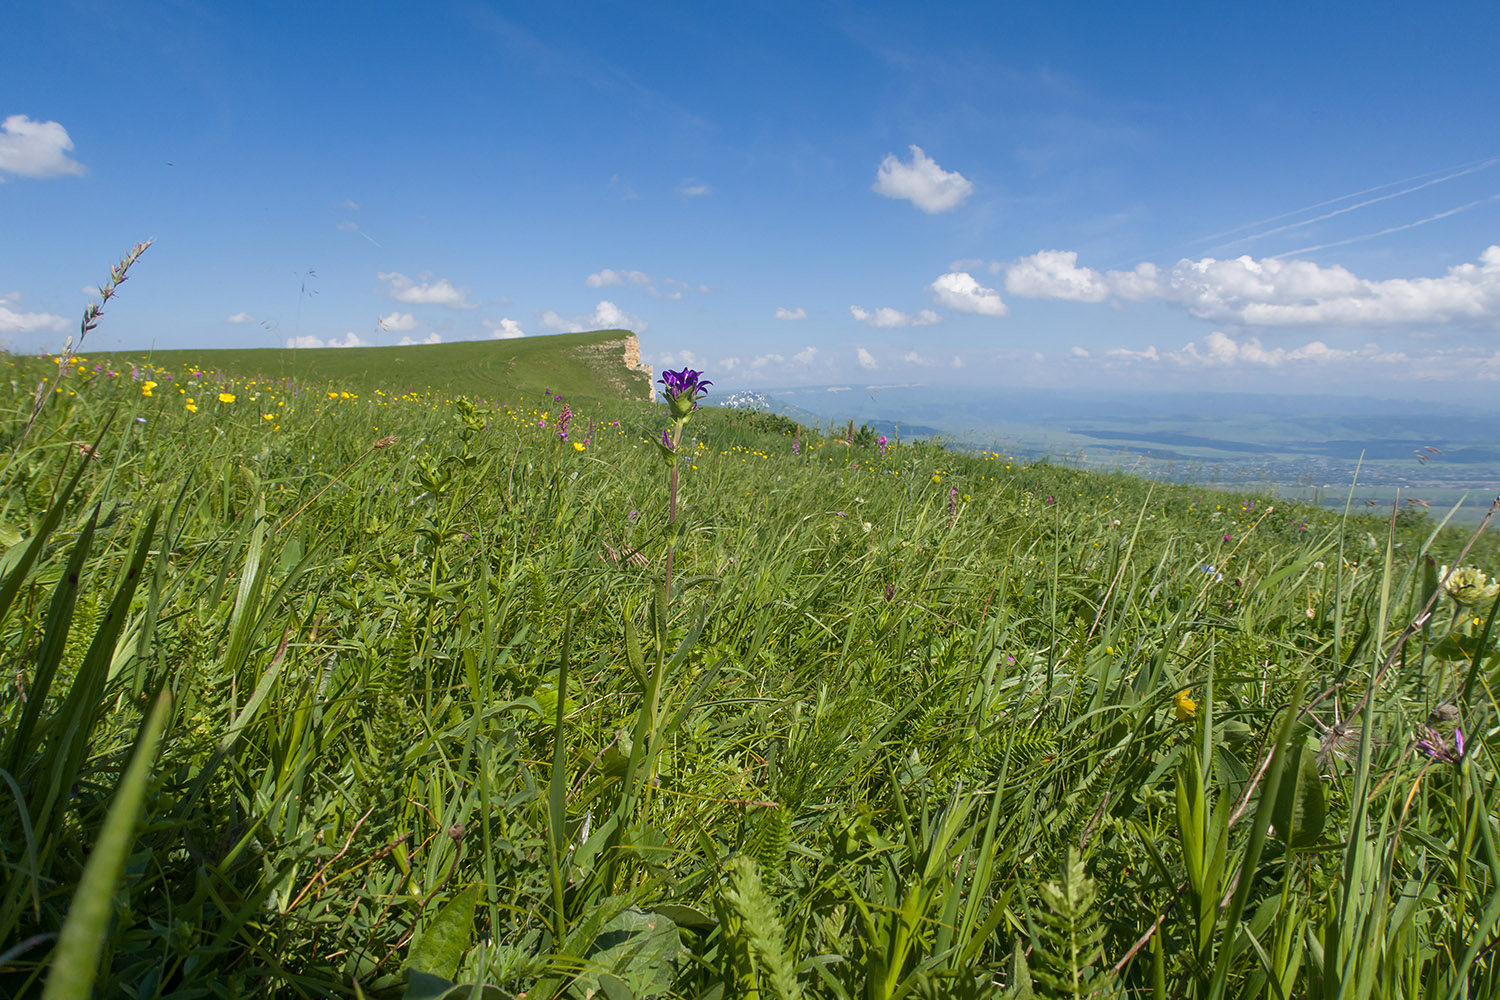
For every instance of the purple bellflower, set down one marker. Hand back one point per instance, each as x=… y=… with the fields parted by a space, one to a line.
x=682 y=389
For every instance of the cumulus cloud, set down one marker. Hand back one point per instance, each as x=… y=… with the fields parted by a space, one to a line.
x=913 y=358
x=956 y=363
x=431 y=338
x=805 y=356
x=922 y=182
x=505 y=329
x=767 y=359
x=958 y=290
x=606 y=316
x=350 y=339
x=397 y=321
x=691 y=187
x=782 y=312
x=36 y=149
x=240 y=317
x=425 y=292
x=12 y=321
x=1273 y=292
x=728 y=364
x=887 y=318
x=866 y=359
x=1055 y=274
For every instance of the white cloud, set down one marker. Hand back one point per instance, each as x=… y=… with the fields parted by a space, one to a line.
x=609 y=276
x=608 y=316
x=27 y=322
x=1125 y=354
x=428 y=293
x=397 y=321
x=350 y=339
x=767 y=359
x=956 y=363
x=1219 y=350
x=346 y=227
x=887 y=318
x=913 y=358
x=240 y=317
x=1273 y=292
x=505 y=329
x=805 y=356
x=922 y=182
x=958 y=290
x=1078 y=352
x=552 y=321
x=784 y=313
x=866 y=359
x=1055 y=274
x=682 y=359
x=691 y=187
x=350 y=204
x=431 y=338
x=728 y=364
x=36 y=149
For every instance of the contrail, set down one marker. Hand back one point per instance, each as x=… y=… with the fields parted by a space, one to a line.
x=1362 y=204
x=1457 y=170
x=1392 y=229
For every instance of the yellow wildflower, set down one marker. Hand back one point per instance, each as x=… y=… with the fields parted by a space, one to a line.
x=191 y=408
x=578 y=446
x=146 y=387
x=1183 y=706
x=226 y=397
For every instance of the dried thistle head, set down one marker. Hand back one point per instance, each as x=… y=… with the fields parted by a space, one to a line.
x=1341 y=742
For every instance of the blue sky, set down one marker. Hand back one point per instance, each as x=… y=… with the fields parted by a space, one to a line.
x=1299 y=198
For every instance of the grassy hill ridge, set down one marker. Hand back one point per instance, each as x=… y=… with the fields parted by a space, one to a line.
x=601 y=364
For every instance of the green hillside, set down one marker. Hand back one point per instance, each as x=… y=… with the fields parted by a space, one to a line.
x=376 y=692
x=577 y=365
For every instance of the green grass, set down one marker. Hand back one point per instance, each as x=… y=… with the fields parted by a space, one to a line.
x=577 y=365
x=910 y=725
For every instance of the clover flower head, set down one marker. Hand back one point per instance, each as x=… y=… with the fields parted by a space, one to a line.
x=1469 y=585
x=682 y=389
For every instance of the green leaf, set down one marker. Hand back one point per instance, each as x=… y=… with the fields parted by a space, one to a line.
x=75 y=963
x=434 y=957
x=639 y=950
x=1301 y=803
x=1020 y=975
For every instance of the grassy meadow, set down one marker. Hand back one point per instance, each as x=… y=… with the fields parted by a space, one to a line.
x=318 y=684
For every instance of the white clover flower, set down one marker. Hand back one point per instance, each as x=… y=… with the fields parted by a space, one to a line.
x=1468 y=585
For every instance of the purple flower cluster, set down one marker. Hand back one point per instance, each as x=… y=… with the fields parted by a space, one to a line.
x=1437 y=747
x=682 y=389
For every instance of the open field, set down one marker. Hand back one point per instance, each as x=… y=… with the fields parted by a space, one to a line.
x=323 y=684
